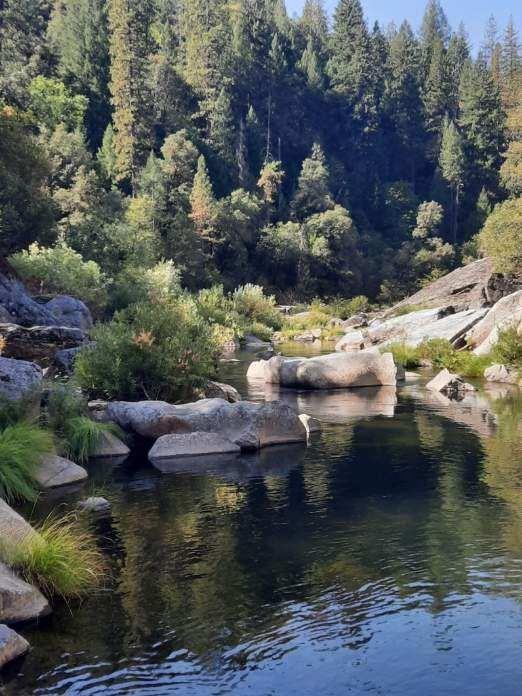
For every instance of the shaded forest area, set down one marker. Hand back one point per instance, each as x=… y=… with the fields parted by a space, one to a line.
x=224 y=142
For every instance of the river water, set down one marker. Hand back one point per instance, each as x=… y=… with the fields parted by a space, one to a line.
x=385 y=558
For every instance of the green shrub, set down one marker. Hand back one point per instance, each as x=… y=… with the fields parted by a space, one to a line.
x=508 y=349
x=344 y=309
x=135 y=284
x=160 y=350
x=22 y=445
x=251 y=302
x=501 y=236
x=61 y=269
x=443 y=355
x=61 y=559
x=403 y=354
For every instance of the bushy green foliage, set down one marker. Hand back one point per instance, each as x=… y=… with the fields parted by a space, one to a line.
x=501 y=236
x=404 y=354
x=140 y=284
x=443 y=355
x=21 y=447
x=63 y=270
x=62 y=558
x=158 y=350
x=53 y=103
x=508 y=349
x=251 y=302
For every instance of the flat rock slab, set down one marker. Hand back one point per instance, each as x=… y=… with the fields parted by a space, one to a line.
x=506 y=313
x=57 y=471
x=249 y=425
x=335 y=371
x=449 y=384
x=190 y=445
x=19 y=601
x=11 y=645
x=416 y=327
x=110 y=447
x=19 y=379
x=39 y=343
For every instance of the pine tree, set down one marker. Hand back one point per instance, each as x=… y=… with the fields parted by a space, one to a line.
x=511 y=63
x=222 y=137
x=311 y=67
x=130 y=46
x=435 y=28
x=78 y=33
x=203 y=204
x=314 y=22
x=451 y=161
x=490 y=42
x=457 y=55
x=313 y=188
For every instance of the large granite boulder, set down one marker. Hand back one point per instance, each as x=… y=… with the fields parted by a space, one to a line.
x=54 y=471
x=70 y=312
x=449 y=384
x=12 y=645
x=416 y=327
x=17 y=305
x=19 y=379
x=19 y=601
x=247 y=424
x=505 y=313
x=191 y=445
x=39 y=343
x=351 y=342
x=469 y=287
x=335 y=371
x=13 y=527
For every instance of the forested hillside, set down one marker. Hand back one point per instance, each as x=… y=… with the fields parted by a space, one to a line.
x=313 y=157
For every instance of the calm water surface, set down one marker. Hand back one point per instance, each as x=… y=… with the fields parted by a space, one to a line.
x=385 y=559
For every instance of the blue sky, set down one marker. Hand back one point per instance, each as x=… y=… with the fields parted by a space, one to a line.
x=474 y=13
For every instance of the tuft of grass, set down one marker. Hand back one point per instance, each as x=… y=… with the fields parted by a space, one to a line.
x=443 y=355
x=83 y=435
x=407 y=309
x=62 y=559
x=13 y=412
x=22 y=445
x=403 y=354
x=508 y=349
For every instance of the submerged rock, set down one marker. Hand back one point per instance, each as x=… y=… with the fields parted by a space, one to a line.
x=55 y=471
x=12 y=645
x=334 y=371
x=247 y=424
x=449 y=384
x=190 y=445
x=19 y=379
x=95 y=505
x=19 y=601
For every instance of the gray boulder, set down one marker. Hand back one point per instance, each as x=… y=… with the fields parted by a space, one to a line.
x=335 y=371
x=71 y=312
x=19 y=601
x=17 y=305
x=309 y=336
x=502 y=374
x=190 y=445
x=110 y=447
x=249 y=425
x=251 y=342
x=13 y=527
x=449 y=384
x=12 y=645
x=218 y=390
x=351 y=342
x=507 y=312
x=55 y=471
x=19 y=379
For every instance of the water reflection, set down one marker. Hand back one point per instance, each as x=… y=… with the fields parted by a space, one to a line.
x=386 y=559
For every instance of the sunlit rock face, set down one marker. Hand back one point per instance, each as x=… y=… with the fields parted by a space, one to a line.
x=334 y=371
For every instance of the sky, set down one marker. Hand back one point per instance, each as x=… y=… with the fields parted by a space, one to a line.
x=474 y=13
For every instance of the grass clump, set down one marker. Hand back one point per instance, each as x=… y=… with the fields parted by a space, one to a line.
x=404 y=354
x=508 y=349
x=442 y=355
x=407 y=309
x=22 y=445
x=62 y=559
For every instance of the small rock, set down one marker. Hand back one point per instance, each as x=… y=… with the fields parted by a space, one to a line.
x=218 y=390
x=251 y=342
x=449 y=384
x=351 y=342
x=502 y=374
x=191 y=444
x=55 y=471
x=95 y=505
x=11 y=645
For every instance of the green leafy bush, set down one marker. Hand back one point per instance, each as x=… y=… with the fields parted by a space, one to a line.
x=508 y=349
x=61 y=559
x=344 y=308
x=403 y=354
x=501 y=236
x=22 y=446
x=159 y=350
x=251 y=302
x=138 y=284
x=443 y=355
x=61 y=269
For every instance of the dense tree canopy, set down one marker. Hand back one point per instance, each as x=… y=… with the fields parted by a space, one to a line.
x=245 y=146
